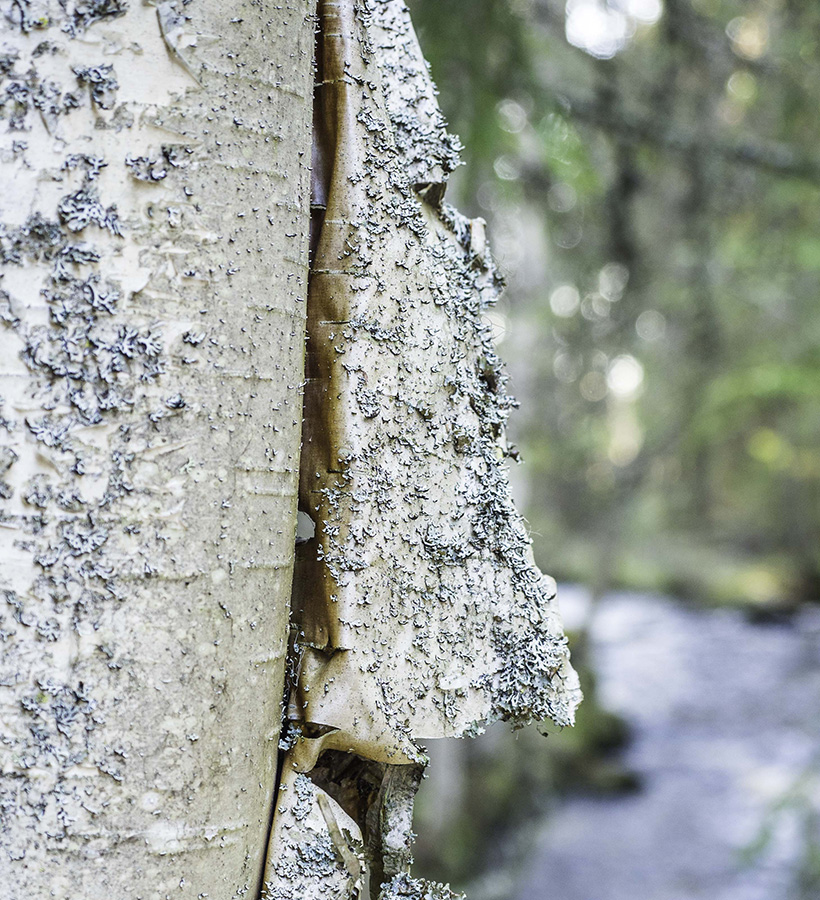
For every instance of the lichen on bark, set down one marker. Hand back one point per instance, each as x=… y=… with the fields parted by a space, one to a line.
x=418 y=611
x=420 y=572
x=154 y=250
x=153 y=244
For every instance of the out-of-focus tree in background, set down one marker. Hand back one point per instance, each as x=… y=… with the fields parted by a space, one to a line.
x=650 y=172
x=651 y=175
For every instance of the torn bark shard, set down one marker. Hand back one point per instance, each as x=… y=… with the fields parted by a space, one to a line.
x=418 y=610
x=316 y=848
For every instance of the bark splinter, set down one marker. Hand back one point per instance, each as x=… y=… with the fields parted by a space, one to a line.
x=417 y=610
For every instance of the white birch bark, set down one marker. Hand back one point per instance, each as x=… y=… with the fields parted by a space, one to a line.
x=155 y=163
x=154 y=250
x=418 y=607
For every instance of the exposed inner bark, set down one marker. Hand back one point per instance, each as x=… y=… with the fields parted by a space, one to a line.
x=417 y=609
x=376 y=795
x=379 y=798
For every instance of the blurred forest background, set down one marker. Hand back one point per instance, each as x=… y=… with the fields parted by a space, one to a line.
x=650 y=174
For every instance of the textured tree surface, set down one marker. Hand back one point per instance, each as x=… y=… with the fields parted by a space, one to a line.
x=155 y=270
x=419 y=576
x=155 y=166
x=418 y=610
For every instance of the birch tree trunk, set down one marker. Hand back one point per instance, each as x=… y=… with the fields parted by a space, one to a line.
x=155 y=164
x=155 y=283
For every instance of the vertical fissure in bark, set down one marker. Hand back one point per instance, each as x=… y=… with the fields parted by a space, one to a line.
x=375 y=795
x=417 y=610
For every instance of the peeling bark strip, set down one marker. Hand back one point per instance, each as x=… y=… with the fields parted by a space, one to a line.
x=153 y=243
x=418 y=611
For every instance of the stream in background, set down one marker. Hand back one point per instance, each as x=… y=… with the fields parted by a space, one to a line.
x=725 y=723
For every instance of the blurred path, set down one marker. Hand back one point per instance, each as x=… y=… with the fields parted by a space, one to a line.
x=726 y=722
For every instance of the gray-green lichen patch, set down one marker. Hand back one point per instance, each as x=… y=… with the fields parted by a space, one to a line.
x=429 y=152
x=24 y=93
x=72 y=18
x=316 y=849
x=148 y=169
x=102 y=83
x=403 y=887
x=420 y=611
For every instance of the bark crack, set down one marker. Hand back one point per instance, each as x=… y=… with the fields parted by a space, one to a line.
x=417 y=610
x=377 y=796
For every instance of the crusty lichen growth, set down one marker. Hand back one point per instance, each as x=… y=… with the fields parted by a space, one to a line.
x=403 y=887
x=316 y=848
x=428 y=151
x=421 y=612
x=418 y=609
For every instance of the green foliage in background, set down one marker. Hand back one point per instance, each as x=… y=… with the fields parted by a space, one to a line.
x=654 y=198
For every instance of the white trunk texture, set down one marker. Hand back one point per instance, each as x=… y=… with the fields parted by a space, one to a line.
x=155 y=271
x=155 y=168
